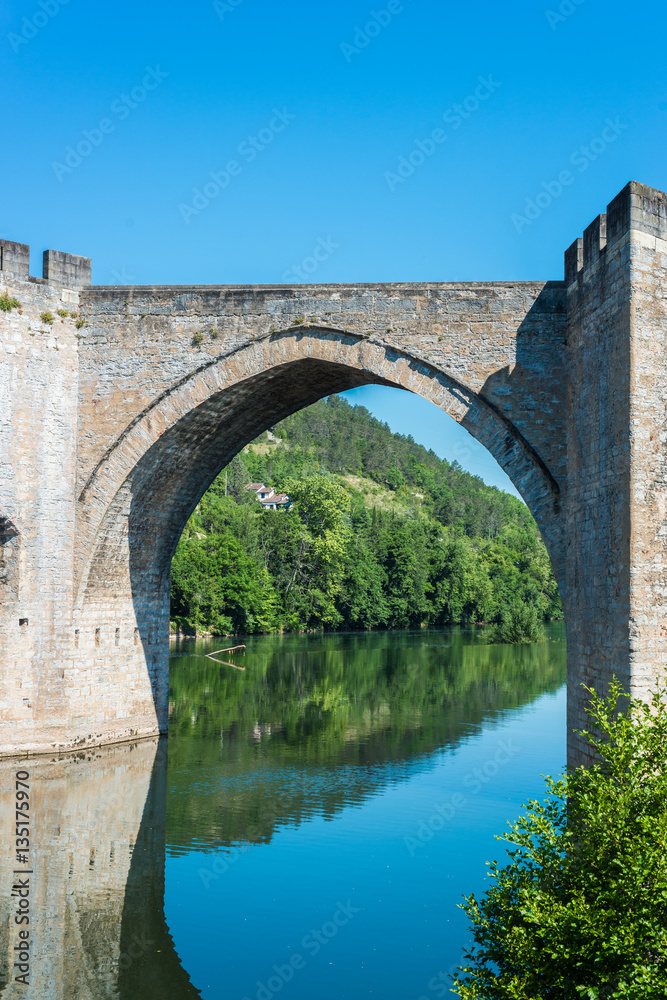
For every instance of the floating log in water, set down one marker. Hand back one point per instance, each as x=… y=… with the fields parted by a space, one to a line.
x=225 y=663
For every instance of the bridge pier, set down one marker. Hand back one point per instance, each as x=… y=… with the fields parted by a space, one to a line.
x=119 y=405
x=616 y=527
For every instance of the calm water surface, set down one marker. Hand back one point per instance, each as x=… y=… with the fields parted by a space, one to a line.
x=336 y=799
x=307 y=831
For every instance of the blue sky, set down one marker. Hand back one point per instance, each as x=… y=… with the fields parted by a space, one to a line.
x=329 y=97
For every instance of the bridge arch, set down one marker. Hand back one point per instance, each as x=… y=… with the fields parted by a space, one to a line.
x=562 y=381
x=137 y=500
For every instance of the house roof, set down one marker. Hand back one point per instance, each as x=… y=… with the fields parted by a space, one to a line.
x=279 y=499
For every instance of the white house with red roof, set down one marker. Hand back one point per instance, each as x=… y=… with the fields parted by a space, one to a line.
x=268 y=499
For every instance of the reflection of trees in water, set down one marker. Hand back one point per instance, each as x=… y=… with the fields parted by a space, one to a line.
x=97 y=914
x=258 y=757
x=317 y=723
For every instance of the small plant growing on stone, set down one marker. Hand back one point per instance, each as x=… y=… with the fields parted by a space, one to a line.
x=274 y=329
x=47 y=317
x=74 y=315
x=80 y=322
x=7 y=303
x=215 y=334
x=299 y=320
x=143 y=315
x=197 y=338
x=63 y=313
x=313 y=319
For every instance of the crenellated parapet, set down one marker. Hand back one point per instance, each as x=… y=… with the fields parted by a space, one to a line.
x=638 y=209
x=61 y=270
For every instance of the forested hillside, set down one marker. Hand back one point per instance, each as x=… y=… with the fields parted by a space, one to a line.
x=381 y=534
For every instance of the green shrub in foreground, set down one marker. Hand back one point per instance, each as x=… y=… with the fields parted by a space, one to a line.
x=580 y=910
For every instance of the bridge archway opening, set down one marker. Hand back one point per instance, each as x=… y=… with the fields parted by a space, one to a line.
x=139 y=499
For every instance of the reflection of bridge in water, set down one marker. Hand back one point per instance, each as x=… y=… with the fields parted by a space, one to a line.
x=100 y=817
x=97 y=893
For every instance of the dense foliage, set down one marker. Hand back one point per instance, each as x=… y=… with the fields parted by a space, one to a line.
x=580 y=911
x=381 y=534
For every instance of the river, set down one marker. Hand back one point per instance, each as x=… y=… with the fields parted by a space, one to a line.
x=308 y=830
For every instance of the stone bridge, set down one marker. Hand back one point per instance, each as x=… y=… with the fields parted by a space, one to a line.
x=116 y=417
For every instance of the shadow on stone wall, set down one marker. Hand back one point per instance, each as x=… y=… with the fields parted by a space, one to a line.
x=528 y=400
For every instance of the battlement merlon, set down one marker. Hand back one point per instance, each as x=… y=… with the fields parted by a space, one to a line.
x=637 y=207
x=61 y=270
x=14 y=260
x=66 y=270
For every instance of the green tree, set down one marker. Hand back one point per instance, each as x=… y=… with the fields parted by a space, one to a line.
x=362 y=598
x=463 y=590
x=406 y=567
x=519 y=624
x=580 y=910
x=323 y=506
x=217 y=588
x=447 y=549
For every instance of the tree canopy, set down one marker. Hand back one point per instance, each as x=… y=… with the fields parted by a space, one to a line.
x=580 y=910
x=381 y=534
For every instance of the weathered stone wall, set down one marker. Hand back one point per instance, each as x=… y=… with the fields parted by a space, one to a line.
x=496 y=367
x=38 y=434
x=174 y=382
x=648 y=438
x=97 y=929
x=617 y=398
x=109 y=435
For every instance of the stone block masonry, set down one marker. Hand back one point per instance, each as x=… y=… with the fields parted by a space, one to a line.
x=111 y=431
